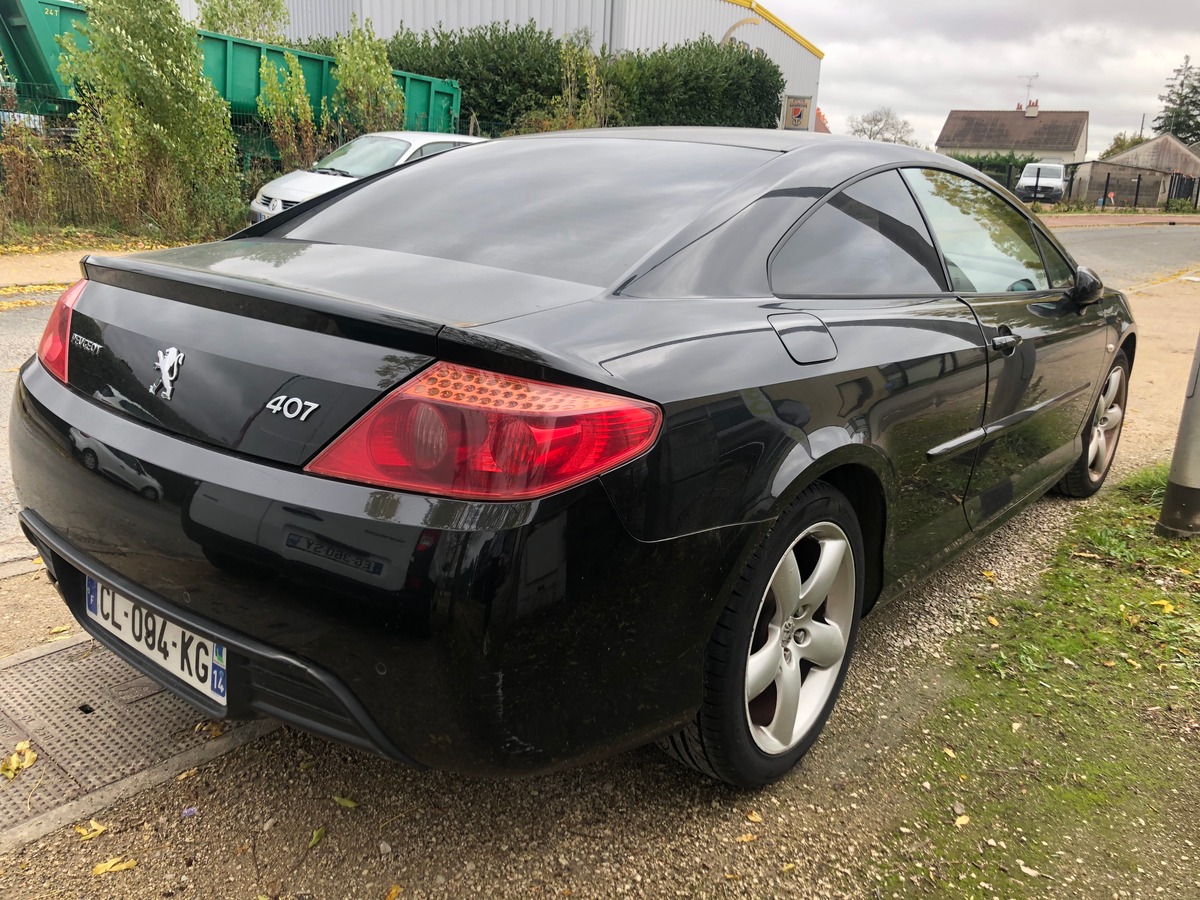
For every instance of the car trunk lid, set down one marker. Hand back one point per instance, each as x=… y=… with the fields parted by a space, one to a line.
x=271 y=348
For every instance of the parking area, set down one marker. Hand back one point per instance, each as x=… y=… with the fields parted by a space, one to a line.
x=206 y=810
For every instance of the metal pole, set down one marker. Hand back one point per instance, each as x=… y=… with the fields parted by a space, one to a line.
x=1180 y=516
x=1104 y=196
x=1137 y=190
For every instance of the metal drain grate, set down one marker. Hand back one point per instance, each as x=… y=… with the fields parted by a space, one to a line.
x=133 y=724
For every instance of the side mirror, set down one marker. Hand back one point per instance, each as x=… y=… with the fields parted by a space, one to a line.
x=1088 y=287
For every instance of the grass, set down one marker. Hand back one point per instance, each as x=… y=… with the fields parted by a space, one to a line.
x=17 y=238
x=1065 y=759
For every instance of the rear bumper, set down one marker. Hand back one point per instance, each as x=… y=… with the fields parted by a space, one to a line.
x=474 y=637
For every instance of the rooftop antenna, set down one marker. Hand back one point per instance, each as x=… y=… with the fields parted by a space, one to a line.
x=1029 y=80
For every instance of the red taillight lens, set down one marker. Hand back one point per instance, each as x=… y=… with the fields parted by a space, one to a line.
x=461 y=432
x=52 y=351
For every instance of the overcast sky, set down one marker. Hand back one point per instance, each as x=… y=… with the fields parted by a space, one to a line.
x=926 y=57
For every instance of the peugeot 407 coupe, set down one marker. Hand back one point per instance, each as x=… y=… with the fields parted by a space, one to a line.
x=553 y=446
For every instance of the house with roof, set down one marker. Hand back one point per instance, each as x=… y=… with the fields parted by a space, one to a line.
x=1025 y=131
x=1148 y=174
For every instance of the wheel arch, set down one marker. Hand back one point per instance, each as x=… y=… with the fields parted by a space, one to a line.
x=864 y=475
x=1129 y=346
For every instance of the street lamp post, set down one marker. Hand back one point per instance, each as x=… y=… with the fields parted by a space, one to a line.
x=1180 y=515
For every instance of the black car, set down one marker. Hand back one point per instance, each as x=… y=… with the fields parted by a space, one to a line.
x=550 y=447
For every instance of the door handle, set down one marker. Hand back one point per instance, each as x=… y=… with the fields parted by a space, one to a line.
x=1005 y=343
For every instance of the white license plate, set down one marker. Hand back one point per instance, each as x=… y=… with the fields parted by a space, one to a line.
x=196 y=661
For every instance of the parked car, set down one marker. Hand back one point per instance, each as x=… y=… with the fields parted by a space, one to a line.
x=121 y=467
x=537 y=452
x=1042 y=181
x=363 y=156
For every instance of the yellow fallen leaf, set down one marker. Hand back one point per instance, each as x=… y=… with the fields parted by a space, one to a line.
x=22 y=757
x=1133 y=662
x=746 y=838
x=731 y=876
x=344 y=801
x=1108 y=663
x=1167 y=608
x=950 y=753
x=1016 y=726
x=989 y=574
x=113 y=865
x=317 y=836
x=184 y=776
x=95 y=829
x=37 y=560
x=60 y=629
x=961 y=821
x=393 y=892
x=993 y=621
x=788 y=867
x=754 y=817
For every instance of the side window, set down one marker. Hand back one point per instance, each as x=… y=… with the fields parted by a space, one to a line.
x=988 y=245
x=1061 y=273
x=867 y=239
x=440 y=146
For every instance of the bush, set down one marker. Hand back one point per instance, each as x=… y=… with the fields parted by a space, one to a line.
x=504 y=72
x=700 y=82
x=587 y=99
x=254 y=20
x=1180 y=205
x=153 y=134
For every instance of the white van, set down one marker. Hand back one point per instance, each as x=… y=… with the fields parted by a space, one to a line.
x=1044 y=181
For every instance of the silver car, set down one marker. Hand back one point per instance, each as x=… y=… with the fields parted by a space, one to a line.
x=355 y=159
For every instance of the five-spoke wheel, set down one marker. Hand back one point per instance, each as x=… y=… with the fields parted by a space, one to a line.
x=800 y=637
x=779 y=653
x=1101 y=433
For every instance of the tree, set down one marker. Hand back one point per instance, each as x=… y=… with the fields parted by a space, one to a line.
x=284 y=105
x=1181 y=104
x=883 y=124
x=367 y=97
x=153 y=133
x=1122 y=142
x=255 y=20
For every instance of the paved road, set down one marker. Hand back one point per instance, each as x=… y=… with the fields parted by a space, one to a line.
x=1129 y=256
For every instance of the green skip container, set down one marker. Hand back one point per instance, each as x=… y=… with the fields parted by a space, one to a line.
x=29 y=28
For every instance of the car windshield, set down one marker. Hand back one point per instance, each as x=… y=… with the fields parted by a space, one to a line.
x=364 y=156
x=576 y=208
x=1035 y=171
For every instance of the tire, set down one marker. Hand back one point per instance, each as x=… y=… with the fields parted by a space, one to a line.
x=149 y=493
x=89 y=460
x=1101 y=433
x=745 y=732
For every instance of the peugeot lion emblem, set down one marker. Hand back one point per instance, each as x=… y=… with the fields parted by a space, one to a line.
x=167 y=366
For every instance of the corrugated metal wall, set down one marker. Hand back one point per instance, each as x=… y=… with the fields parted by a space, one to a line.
x=323 y=17
x=563 y=18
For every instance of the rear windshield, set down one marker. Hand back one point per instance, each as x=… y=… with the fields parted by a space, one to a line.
x=1032 y=171
x=579 y=209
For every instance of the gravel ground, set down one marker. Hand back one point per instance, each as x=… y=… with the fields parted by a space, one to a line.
x=634 y=826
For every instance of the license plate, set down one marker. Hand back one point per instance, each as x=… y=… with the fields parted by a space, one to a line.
x=196 y=661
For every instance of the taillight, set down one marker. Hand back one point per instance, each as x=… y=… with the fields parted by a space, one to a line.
x=461 y=432
x=56 y=339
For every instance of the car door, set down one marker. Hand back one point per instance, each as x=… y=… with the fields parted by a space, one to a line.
x=909 y=368
x=1045 y=352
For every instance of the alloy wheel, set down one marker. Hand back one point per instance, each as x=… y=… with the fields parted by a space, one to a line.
x=1106 y=424
x=800 y=638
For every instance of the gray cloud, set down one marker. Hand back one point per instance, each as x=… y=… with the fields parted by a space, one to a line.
x=926 y=57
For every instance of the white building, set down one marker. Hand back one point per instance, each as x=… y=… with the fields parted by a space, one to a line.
x=616 y=24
